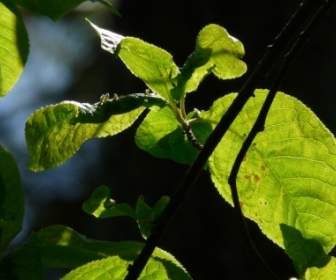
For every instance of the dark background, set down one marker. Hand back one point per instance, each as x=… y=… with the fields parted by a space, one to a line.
x=205 y=234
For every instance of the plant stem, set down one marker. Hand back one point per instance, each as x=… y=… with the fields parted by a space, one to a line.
x=181 y=117
x=196 y=169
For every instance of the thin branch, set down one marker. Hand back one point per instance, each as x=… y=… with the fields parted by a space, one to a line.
x=196 y=169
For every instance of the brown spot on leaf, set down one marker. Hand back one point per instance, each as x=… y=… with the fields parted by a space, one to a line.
x=256 y=178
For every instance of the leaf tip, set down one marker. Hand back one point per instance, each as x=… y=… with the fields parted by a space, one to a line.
x=109 y=40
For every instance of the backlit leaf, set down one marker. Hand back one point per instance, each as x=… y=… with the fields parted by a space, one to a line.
x=161 y=135
x=287 y=179
x=53 y=136
x=153 y=65
x=13 y=48
x=216 y=52
x=327 y=272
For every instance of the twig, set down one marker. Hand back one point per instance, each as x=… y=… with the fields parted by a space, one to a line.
x=196 y=169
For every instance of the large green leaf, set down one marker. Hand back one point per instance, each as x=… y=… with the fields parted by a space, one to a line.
x=11 y=199
x=288 y=177
x=13 y=48
x=148 y=62
x=327 y=272
x=53 y=135
x=52 y=8
x=62 y=247
x=101 y=205
x=161 y=135
x=216 y=52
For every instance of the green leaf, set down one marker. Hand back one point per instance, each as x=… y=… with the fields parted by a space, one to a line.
x=161 y=135
x=62 y=247
x=114 y=268
x=101 y=205
x=51 y=8
x=11 y=199
x=53 y=136
x=216 y=52
x=147 y=216
x=327 y=272
x=13 y=48
x=148 y=62
x=288 y=177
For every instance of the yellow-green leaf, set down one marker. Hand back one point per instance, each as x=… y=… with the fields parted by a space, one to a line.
x=161 y=135
x=13 y=48
x=216 y=52
x=153 y=65
x=62 y=247
x=327 y=272
x=288 y=177
x=53 y=135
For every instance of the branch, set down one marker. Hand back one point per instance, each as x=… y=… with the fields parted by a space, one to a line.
x=196 y=169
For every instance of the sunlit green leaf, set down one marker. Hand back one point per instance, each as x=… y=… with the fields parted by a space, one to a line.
x=52 y=135
x=115 y=268
x=52 y=8
x=161 y=135
x=327 y=272
x=288 y=177
x=11 y=199
x=147 y=216
x=13 y=48
x=216 y=52
x=101 y=205
x=148 y=62
x=62 y=247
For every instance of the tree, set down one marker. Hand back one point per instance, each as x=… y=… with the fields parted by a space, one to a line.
x=296 y=215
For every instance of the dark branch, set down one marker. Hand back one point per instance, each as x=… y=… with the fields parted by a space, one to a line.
x=196 y=169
